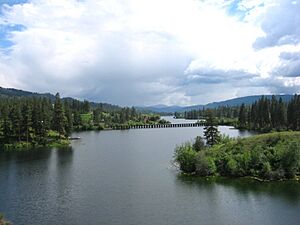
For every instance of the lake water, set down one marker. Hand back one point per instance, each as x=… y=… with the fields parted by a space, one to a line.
x=126 y=178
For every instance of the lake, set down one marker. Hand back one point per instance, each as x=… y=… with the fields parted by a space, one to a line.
x=125 y=177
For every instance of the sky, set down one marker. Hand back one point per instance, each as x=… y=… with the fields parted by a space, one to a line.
x=148 y=52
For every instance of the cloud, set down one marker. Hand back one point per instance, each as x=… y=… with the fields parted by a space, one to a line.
x=138 y=52
x=280 y=24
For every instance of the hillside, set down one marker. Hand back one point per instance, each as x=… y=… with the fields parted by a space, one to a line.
x=11 y=92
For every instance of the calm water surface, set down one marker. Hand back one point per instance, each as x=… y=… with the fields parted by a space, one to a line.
x=125 y=177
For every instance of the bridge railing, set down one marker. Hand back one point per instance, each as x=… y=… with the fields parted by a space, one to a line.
x=149 y=126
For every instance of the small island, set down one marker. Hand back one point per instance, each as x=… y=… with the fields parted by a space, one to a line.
x=269 y=156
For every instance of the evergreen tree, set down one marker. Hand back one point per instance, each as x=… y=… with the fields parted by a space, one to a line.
x=211 y=132
x=242 y=116
x=7 y=125
x=96 y=116
x=69 y=121
x=59 y=119
x=27 y=122
x=16 y=122
x=77 y=119
x=281 y=114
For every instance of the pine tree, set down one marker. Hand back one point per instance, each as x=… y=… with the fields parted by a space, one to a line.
x=7 y=125
x=77 y=119
x=281 y=114
x=211 y=132
x=69 y=120
x=27 y=122
x=59 y=119
x=16 y=120
x=96 y=118
x=242 y=116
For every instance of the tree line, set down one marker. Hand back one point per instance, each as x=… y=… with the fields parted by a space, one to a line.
x=37 y=120
x=219 y=112
x=264 y=114
x=270 y=156
x=267 y=114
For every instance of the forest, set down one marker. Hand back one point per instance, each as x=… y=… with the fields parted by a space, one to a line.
x=42 y=121
x=274 y=155
x=265 y=115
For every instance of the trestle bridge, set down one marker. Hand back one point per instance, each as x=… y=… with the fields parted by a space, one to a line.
x=149 y=126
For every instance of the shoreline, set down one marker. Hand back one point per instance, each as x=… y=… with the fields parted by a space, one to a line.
x=297 y=178
x=24 y=146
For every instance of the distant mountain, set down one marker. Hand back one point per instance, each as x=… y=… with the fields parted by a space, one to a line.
x=11 y=92
x=159 y=108
x=162 y=109
x=248 y=100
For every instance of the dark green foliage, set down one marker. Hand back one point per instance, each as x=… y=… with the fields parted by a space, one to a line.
x=69 y=121
x=265 y=114
x=270 y=156
x=186 y=157
x=59 y=119
x=30 y=121
x=271 y=114
x=198 y=144
x=242 y=116
x=205 y=165
x=211 y=132
x=223 y=113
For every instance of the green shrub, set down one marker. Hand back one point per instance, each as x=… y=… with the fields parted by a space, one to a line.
x=205 y=165
x=198 y=144
x=186 y=157
x=270 y=156
x=232 y=167
x=267 y=171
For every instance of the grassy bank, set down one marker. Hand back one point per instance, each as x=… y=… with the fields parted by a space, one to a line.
x=53 y=139
x=271 y=156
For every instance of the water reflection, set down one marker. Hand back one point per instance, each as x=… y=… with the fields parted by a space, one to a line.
x=124 y=177
x=34 y=180
x=286 y=190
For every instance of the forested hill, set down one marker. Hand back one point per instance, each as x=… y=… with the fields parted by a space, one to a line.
x=247 y=100
x=11 y=92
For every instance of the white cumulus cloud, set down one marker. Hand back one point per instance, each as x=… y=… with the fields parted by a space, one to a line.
x=140 y=52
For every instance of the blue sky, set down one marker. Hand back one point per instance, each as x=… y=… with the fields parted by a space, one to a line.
x=12 y=2
x=139 y=52
x=6 y=29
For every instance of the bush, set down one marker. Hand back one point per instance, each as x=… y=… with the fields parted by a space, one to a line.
x=267 y=171
x=186 y=157
x=205 y=166
x=232 y=167
x=270 y=156
x=291 y=159
x=198 y=144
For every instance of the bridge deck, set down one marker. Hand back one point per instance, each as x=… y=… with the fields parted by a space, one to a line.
x=149 y=126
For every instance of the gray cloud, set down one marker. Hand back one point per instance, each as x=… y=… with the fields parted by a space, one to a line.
x=215 y=76
x=136 y=53
x=281 y=25
x=289 y=66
